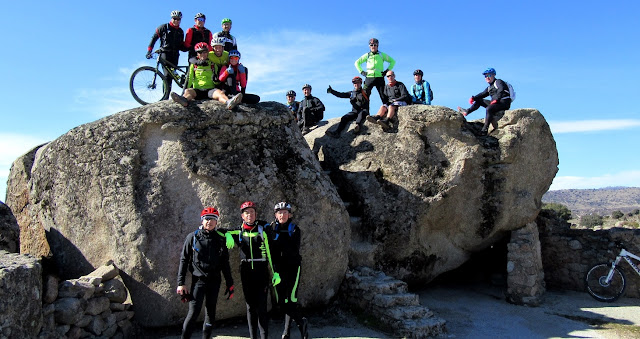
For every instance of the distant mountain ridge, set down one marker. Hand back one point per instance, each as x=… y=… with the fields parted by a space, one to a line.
x=602 y=200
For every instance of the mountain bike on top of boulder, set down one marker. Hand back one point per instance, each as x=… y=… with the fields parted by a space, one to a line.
x=605 y=282
x=149 y=84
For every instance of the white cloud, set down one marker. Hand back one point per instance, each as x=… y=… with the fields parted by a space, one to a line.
x=592 y=125
x=625 y=178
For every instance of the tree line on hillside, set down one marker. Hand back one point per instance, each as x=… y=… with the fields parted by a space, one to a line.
x=630 y=219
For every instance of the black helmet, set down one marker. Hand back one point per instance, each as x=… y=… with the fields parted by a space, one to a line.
x=291 y=93
x=418 y=72
x=306 y=86
x=176 y=14
x=200 y=15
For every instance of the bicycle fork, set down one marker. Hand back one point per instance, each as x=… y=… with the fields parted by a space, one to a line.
x=613 y=268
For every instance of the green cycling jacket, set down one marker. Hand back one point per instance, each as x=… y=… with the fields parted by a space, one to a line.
x=375 y=63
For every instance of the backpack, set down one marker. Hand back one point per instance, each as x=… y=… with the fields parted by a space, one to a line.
x=512 y=92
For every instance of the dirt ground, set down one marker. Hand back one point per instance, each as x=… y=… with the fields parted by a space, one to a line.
x=472 y=311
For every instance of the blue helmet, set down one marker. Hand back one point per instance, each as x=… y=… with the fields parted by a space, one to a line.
x=234 y=53
x=489 y=71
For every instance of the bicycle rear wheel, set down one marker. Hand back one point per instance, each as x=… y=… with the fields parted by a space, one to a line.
x=601 y=289
x=147 y=85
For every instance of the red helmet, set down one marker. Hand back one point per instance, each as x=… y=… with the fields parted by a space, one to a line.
x=247 y=204
x=211 y=212
x=201 y=46
x=356 y=80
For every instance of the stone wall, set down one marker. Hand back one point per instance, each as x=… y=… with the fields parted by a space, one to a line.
x=20 y=296
x=95 y=305
x=567 y=254
x=525 y=276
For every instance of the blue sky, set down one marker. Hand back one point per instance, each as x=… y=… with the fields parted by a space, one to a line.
x=69 y=63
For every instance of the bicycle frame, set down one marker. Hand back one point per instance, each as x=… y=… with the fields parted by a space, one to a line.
x=627 y=256
x=177 y=73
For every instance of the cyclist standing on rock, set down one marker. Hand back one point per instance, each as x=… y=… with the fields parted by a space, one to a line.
x=197 y=33
x=171 y=42
x=228 y=40
x=375 y=68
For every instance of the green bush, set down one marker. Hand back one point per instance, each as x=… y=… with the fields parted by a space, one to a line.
x=617 y=214
x=561 y=210
x=591 y=220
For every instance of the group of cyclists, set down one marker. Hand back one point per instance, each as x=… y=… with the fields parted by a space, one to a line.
x=395 y=94
x=215 y=71
x=392 y=95
x=269 y=260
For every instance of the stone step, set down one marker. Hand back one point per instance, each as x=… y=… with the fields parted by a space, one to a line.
x=407 y=312
x=399 y=299
x=421 y=328
x=387 y=299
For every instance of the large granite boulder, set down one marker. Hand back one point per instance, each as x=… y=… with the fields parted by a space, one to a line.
x=433 y=192
x=130 y=187
x=9 y=230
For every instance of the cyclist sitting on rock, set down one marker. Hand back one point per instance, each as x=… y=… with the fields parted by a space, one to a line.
x=311 y=110
x=292 y=104
x=395 y=95
x=360 y=107
x=420 y=91
x=171 y=42
x=201 y=83
x=197 y=33
x=228 y=40
x=234 y=79
x=500 y=100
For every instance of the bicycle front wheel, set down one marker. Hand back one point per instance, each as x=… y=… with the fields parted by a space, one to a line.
x=601 y=289
x=147 y=85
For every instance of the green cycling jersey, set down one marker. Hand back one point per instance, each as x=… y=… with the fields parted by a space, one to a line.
x=375 y=63
x=204 y=75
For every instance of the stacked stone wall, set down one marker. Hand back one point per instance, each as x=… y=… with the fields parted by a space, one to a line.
x=568 y=254
x=525 y=276
x=94 y=305
x=20 y=295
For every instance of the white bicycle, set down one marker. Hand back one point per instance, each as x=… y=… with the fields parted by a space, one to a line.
x=605 y=282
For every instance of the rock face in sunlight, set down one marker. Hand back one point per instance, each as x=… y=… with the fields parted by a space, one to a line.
x=419 y=200
x=131 y=186
x=433 y=192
